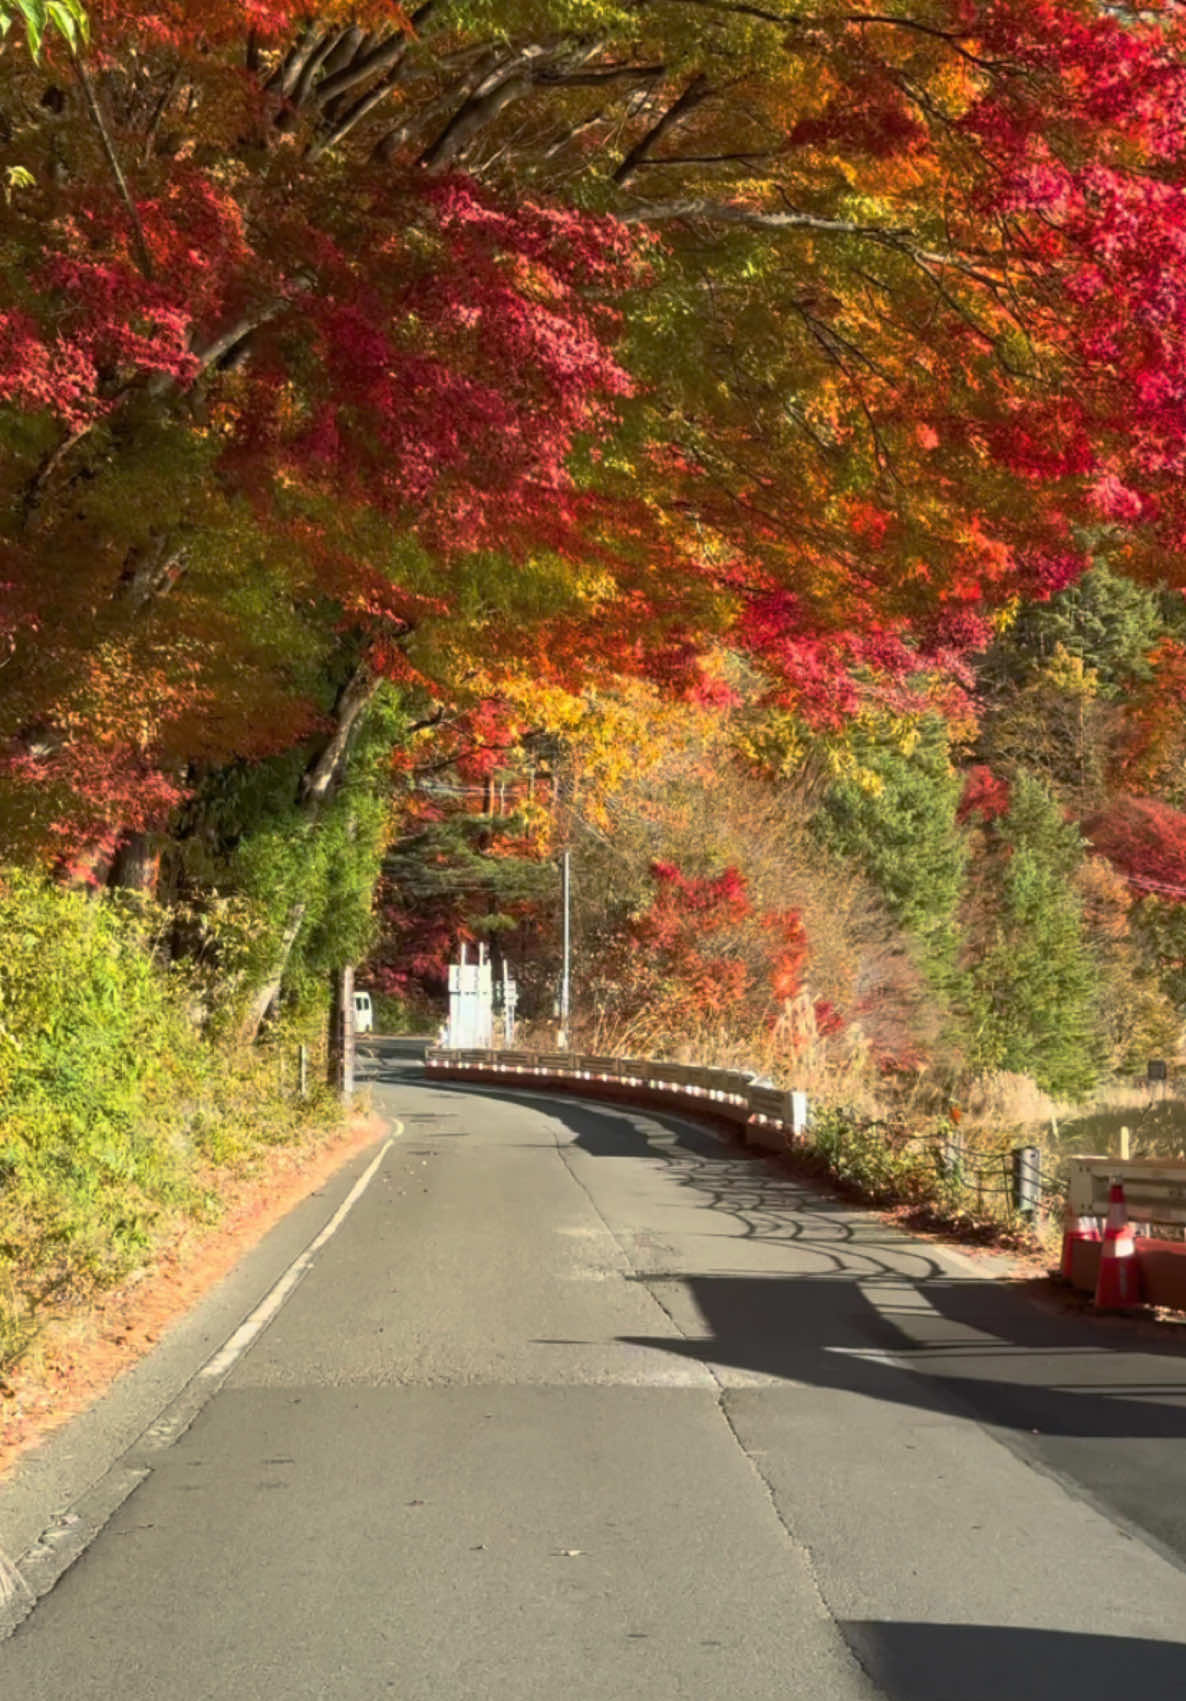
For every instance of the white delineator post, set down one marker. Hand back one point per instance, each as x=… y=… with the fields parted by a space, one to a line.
x=566 y=971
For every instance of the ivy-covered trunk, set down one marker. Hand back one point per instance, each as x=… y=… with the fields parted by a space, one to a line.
x=321 y=776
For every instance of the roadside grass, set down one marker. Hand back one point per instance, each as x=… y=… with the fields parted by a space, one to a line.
x=118 y=1118
x=959 y=1190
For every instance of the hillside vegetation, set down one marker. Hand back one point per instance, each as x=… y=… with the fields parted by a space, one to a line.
x=742 y=445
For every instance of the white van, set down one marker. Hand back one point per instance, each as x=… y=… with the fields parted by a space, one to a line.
x=364 y=1015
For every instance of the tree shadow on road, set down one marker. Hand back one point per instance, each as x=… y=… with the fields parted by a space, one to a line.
x=870 y=1310
x=988 y=1662
x=826 y=1331
x=843 y=1301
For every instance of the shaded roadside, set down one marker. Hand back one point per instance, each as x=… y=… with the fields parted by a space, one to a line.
x=870 y=1310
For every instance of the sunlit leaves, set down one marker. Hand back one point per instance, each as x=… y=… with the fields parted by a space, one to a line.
x=46 y=18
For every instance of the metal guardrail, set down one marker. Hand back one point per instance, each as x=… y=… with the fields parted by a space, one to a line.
x=776 y=1120
x=772 y=1117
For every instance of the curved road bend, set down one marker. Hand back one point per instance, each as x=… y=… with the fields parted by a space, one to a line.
x=581 y=1402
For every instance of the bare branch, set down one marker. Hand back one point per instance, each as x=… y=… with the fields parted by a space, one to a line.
x=150 y=572
x=159 y=111
x=374 y=63
x=706 y=159
x=727 y=212
x=284 y=77
x=220 y=345
x=312 y=67
x=365 y=105
x=594 y=76
x=349 y=45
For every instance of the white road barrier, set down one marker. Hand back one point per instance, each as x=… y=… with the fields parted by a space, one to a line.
x=770 y=1116
x=1154 y=1188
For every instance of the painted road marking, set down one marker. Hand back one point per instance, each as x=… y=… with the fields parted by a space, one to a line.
x=272 y=1301
x=72 y=1532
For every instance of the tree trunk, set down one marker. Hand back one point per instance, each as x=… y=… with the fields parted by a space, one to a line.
x=353 y=699
x=150 y=571
x=513 y=79
x=137 y=864
x=340 y=1068
x=696 y=93
x=265 y=995
x=355 y=696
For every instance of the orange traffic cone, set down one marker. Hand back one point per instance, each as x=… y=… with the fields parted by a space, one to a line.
x=1119 y=1283
x=1075 y=1229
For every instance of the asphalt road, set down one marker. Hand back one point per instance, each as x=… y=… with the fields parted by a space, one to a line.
x=580 y=1402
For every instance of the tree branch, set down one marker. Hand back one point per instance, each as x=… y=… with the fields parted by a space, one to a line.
x=284 y=77
x=509 y=81
x=354 y=115
x=144 y=259
x=310 y=69
x=385 y=57
x=725 y=212
x=706 y=159
x=596 y=75
x=159 y=111
x=150 y=572
x=697 y=91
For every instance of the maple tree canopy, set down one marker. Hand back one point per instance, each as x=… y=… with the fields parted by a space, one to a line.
x=505 y=341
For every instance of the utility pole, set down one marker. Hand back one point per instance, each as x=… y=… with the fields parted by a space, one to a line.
x=566 y=974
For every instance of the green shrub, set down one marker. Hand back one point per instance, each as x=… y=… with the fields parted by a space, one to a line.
x=896 y=818
x=880 y=1162
x=111 y=1102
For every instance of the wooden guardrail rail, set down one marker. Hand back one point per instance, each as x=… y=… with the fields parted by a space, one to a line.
x=775 y=1119
x=1154 y=1188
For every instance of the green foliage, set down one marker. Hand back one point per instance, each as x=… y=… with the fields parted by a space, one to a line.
x=879 y=1162
x=248 y=838
x=1159 y=927
x=1034 y=1000
x=1107 y=622
x=464 y=855
x=111 y=1104
x=66 y=18
x=948 y=1181
x=395 y=1015
x=894 y=815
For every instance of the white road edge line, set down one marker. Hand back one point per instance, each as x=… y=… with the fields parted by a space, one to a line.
x=70 y=1534
x=272 y=1301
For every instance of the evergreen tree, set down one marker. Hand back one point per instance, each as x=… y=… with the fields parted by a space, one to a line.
x=1108 y=623
x=894 y=815
x=1034 y=1004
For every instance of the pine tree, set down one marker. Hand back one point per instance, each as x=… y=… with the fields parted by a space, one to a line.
x=895 y=816
x=1034 y=1006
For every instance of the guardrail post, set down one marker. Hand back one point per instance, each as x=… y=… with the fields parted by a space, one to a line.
x=303 y=1070
x=951 y=1157
x=1027 y=1179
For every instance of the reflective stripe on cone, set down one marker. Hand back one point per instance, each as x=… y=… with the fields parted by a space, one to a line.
x=1119 y=1284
